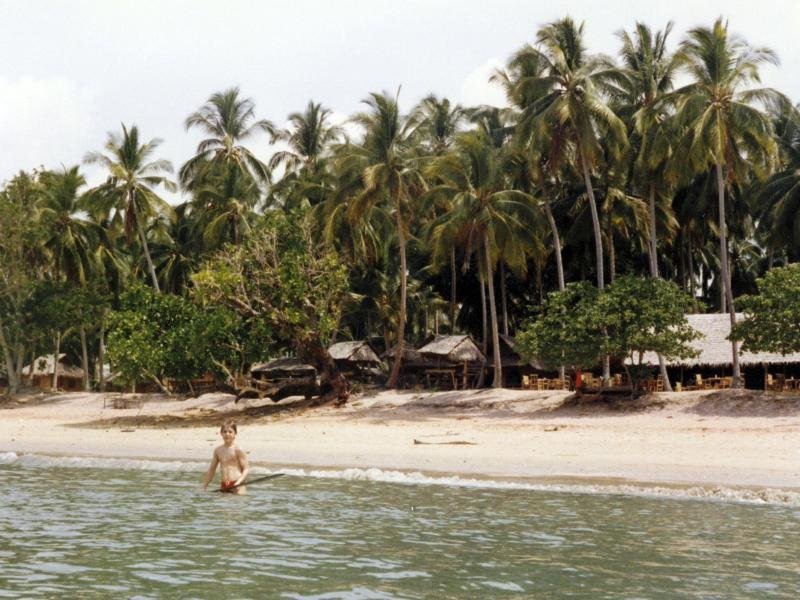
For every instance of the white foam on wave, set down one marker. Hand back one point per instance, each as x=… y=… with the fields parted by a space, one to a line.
x=761 y=496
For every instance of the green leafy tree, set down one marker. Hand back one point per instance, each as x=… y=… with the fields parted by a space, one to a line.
x=153 y=336
x=567 y=330
x=772 y=317
x=283 y=276
x=20 y=267
x=645 y=315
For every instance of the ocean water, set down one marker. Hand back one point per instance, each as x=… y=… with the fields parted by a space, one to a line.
x=85 y=528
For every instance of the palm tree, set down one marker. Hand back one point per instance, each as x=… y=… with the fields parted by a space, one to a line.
x=778 y=200
x=69 y=237
x=725 y=128
x=389 y=174
x=643 y=92
x=486 y=215
x=128 y=191
x=566 y=106
x=439 y=124
x=227 y=120
x=309 y=139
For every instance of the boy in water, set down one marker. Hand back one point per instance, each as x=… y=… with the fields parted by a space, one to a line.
x=232 y=461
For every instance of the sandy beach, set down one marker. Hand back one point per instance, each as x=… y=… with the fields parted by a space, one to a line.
x=734 y=439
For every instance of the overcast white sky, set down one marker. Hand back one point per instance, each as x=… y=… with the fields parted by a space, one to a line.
x=73 y=70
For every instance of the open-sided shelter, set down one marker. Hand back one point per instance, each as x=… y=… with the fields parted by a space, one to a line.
x=457 y=353
x=714 y=354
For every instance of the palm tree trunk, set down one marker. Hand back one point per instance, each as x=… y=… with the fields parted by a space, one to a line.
x=55 y=362
x=559 y=264
x=651 y=246
x=598 y=240
x=401 y=320
x=598 y=249
x=497 y=381
x=556 y=242
x=145 y=248
x=503 y=300
x=452 y=290
x=612 y=267
x=484 y=328
x=651 y=251
x=101 y=356
x=84 y=359
x=726 y=275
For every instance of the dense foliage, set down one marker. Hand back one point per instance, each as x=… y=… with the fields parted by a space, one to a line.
x=441 y=219
x=772 y=318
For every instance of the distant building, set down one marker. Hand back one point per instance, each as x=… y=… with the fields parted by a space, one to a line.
x=40 y=373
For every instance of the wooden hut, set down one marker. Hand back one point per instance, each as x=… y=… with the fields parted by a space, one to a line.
x=413 y=367
x=40 y=373
x=714 y=360
x=357 y=359
x=457 y=360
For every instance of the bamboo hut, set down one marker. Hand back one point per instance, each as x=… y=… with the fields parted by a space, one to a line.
x=356 y=358
x=40 y=373
x=413 y=367
x=714 y=356
x=456 y=358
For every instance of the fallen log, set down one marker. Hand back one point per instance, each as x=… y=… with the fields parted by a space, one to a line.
x=278 y=390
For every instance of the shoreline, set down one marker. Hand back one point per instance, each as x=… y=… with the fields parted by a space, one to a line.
x=685 y=440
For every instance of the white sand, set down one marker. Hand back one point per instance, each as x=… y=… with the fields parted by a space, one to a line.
x=685 y=439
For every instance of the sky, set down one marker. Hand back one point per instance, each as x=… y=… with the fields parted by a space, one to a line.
x=74 y=70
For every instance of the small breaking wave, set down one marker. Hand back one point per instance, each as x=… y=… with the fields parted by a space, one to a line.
x=754 y=496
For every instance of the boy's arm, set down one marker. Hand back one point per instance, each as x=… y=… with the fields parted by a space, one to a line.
x=244 y=466
x=211 y=470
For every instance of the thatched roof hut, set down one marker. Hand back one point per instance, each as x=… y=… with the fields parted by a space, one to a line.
x=453 y=349
x=282 y=368
x=715 y=349
x=40 y=372
x=44 y=366
x=357 y=352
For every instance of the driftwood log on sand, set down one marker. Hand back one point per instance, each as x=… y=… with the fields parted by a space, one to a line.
x=278 y=390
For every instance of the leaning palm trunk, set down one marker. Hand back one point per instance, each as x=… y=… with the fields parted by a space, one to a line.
x=401 y=320
x=559 y=264
x=84 y=359
x=726 y=274
x=497 y=382
x=598 y=249
x=146 y=249
x=653 y=259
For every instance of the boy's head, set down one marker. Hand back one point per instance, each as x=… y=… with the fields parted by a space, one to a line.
x=228 y=424
x=228 y=431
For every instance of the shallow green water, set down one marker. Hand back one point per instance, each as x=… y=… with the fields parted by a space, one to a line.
x=78 y=531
